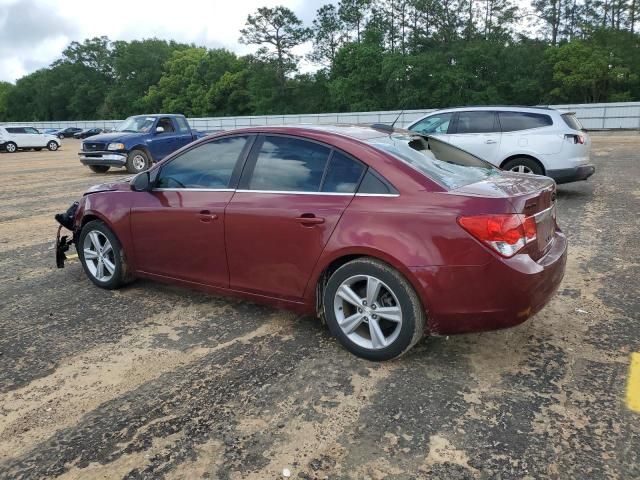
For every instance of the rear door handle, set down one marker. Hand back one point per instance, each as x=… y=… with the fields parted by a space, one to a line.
x=206 y=216
x=310 y=219
x=491 y=141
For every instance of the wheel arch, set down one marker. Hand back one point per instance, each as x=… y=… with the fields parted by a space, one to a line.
x=145 y=149
x=524 y=155
x=329 y=264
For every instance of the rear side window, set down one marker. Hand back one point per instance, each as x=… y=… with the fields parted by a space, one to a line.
x=289 y=164
x=571 y=120
x=343 y=174
x=476 y=122
x=437 y=123
x=374 y=183
x=207 y=166
x=514 y=121
x=183 y=126
x=15 y=130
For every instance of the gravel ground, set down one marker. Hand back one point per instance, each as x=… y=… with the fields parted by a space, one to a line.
x=158 y=382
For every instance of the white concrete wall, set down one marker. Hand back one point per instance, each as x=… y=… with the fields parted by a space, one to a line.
x=594 y=116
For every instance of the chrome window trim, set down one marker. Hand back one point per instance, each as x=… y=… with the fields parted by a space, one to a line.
x=193 y=190
x=386 y=195
x=294 y=192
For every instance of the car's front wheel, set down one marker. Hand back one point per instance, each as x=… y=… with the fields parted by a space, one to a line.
x=102 y=256
x=137 y=161
x=11 y=147
x=53 y=146
x=373 y=310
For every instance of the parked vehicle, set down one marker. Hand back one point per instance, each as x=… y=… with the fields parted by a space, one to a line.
x=67 y=132
x=383 y=233
x=14 y=138
x=535 y=140
x=137 y=143
x=89 y=132
x=49 y=131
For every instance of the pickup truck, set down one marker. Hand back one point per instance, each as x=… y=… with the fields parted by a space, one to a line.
x=137 y=143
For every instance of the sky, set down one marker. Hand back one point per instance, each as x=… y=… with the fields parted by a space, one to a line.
x=33 y=33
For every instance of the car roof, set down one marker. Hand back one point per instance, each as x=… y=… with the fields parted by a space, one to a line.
x=354 y=131
x=501 y=108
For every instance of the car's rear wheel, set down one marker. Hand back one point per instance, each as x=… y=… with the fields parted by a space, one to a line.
x=102 y=256
x=373 y=310
x=53 y=146
x=137 y=161
x=10 y=147
x=99 y=168
x=523 y=165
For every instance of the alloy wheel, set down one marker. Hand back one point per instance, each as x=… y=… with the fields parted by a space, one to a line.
x=368 y=312
x=10 y=147
x=521 y=169
x=139 y=162
x=99 y=256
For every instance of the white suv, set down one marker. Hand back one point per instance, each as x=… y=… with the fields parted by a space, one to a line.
x=536 y=140
x=14 y=138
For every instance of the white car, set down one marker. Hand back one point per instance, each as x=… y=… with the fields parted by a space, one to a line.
x=535 y=140
x=14 y=138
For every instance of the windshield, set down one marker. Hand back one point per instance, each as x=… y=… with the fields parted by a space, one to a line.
x=447 y=165
x=136 y=124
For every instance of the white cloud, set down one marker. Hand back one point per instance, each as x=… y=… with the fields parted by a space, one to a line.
x=45 y=27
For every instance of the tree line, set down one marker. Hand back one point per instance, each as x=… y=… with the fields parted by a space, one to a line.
x=369 y=55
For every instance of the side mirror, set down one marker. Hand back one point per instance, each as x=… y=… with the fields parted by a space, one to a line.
x=141 y=182
x=160 y=130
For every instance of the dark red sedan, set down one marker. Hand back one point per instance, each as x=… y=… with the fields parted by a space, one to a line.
x=382 y=233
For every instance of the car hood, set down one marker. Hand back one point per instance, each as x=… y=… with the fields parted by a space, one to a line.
x=120 y=185
x=114 y=137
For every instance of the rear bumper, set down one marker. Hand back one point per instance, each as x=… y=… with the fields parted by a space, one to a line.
x=501 y=294
x=111 y=159
x=574 y=174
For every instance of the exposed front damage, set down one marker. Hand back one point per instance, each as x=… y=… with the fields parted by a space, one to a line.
x=63 y=242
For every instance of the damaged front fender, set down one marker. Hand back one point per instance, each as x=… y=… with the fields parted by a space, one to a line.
x=63 y=242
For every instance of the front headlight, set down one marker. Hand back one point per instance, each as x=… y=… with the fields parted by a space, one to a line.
x=115 y=146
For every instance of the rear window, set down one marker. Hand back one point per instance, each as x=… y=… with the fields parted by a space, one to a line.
x=572 y=121
x=447 y=165
x=514 y=121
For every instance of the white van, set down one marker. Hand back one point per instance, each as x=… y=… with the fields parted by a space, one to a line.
x=537 y=140
x=14 y=138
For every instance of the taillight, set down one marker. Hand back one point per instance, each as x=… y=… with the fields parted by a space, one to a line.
x=579 y=139
x=507 y=234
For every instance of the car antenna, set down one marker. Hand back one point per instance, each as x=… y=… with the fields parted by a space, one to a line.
x=385 y=127
x=397 y=118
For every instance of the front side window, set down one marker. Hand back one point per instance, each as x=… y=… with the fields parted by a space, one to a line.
x=476 y=122
x=207 y=166
x=289 y=164
x=438 y=123
x=166 y=124
x=514 y=121
x=32 y=130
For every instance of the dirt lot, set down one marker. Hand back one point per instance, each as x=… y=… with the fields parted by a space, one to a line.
x=159 y=382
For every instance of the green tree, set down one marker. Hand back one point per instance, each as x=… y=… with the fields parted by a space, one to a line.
x=5 y=88
x=278 y=30
x=328 y=35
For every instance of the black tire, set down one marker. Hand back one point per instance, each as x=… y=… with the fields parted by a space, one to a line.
x=525 y=163
x=413 y=314
x=99 y=168
x=61 y=136
x=11 y=147
x=53 y=146
x=121 y=274
x=137 y=161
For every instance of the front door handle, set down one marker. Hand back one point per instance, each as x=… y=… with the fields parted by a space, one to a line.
x=490 y=141
x=309 y=219
x=206 y=216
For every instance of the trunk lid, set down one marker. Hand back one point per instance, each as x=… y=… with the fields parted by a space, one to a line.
x=530 y=195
